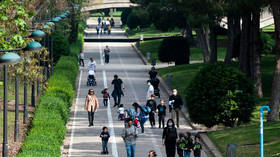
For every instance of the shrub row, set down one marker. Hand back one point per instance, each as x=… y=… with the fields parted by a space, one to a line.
x=49 y=123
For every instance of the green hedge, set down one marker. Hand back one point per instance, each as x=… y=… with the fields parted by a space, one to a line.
x=49 y=123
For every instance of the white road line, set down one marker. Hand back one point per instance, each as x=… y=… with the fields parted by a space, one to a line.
x=75 y=113
x=109 y=113
x=110 y=121
x=137 y=99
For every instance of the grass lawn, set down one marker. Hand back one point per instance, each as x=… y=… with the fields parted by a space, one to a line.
x=246 y=137
x=153 y=46
x=151 y=31
x=11 y=122
x=269 y=28
x=115 y=14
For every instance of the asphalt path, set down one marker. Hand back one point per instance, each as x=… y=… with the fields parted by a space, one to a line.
x=85 y=140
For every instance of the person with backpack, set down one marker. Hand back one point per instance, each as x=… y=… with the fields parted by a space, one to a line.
x=152 y=104
x=175 y=105
x=169 y=138
x=142 y=113
x=107 y=54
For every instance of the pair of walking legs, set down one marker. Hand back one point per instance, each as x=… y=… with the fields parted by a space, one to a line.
x=176 y=112
x=117 y=100
x=90 y=117
x=170 y=148
x=130 y=149
x=152 y=119
x=161 y=120
x=105 y=146
x=107 y=57
x=81 y=62
x=105 y=101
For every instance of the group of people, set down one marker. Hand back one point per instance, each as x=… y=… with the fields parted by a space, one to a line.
x=104 y=26
x=142 y=113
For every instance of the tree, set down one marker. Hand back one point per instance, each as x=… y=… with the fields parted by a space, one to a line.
x=273 y=115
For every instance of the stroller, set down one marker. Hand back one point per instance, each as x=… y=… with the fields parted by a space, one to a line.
x=91 y=78
x=155 y=82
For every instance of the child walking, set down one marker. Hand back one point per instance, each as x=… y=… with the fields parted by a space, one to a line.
x=189 y=145
x=106 y=96
x=181 y=144
x=161 y=109
x=197 y=147
x=105 y=138
x=121 y=112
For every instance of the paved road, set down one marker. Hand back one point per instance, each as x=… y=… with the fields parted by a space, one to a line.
x=124 y=61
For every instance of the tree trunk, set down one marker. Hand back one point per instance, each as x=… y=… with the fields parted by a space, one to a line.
x=273 y=115
x=213 y=44
x=244 y=65
x=203 y=41
x=189 y=34
x=233 y=38
x=255 y=61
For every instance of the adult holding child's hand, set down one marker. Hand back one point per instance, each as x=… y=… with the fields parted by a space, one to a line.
x=91 y=105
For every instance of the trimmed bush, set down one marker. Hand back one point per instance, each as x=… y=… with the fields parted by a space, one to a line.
x=124 y=16
x=220 y=94
x=175 y=49
x=48 y=125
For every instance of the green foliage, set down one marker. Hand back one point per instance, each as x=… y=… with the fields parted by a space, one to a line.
x=174 y=49
x=267 y=43
x=60 y=46
x=220 y=94
x=138 y=18
x=48 y=125
x=125 y=15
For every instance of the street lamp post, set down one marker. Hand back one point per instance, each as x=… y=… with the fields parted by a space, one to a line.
x=7 y=58
x=30 y=47
x=261 y=128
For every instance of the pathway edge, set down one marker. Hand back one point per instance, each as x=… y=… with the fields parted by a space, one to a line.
x=211 y=147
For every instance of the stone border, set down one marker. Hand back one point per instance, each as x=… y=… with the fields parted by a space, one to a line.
x=211 y=147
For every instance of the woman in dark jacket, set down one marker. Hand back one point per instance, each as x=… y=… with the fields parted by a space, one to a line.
x=169 y=138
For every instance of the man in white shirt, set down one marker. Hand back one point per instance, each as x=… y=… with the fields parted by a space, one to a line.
x=150 y=91
x=92 y=64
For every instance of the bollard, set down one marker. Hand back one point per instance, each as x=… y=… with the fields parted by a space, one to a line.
x=231 y=150
x=169 y=79
x=148 y=54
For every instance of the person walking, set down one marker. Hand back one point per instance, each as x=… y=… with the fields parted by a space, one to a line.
x=181 y=145
x=105 y=135
x=189 y=145
x=141 y=115
x=118 y=90
x=97 y=29
x=81 y=58
x=129 y=136
x=107 y=54
x=161 y=109
x=150 y=91
x=153 y=106
x=153 y=73
x=197 y=147
x=106 y=96
x=92 y=64
x=91 y=105
x=175 y=105
x=99 y=20
x=169 y=138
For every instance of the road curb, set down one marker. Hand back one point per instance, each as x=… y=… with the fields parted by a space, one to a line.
x=211 y=147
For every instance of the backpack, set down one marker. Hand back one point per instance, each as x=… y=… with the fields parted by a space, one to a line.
x=130 y=113
x=146 y=109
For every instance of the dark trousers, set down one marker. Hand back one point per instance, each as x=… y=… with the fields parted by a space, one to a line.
x=117 y=99
x=105 y=101
x=104 y=146
x=81 y=61
x=161 y=120
x=107 y=58
x=91 y=117
x=152 y=118
x=170 y=148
